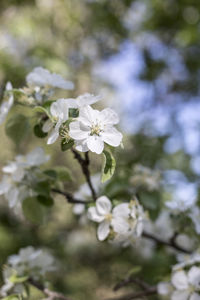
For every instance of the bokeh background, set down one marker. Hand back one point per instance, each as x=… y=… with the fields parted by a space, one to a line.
x=143 y=57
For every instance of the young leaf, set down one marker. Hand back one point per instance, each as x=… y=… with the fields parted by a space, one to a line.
x=108 y=166
x=33 y=210
x=39 y=132
x=63 y=173
x=17 y=127
x=46 y=201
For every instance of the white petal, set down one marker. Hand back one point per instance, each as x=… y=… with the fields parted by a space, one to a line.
x=121 y=210
x=112 y=137
x=88 y=115
x=48 y=125
x=82 y=146
x=179 y=280
x=164 y=288
x=77 y=132
x=103 y=230
x=95 y=144
x=53 y=136
x=87 y=99
x=195 y=296
x=12 y=196
x=109 y=116
x=94 y=216
x=120 y=225
x=37 y=157
x=180 y=295
x=103 y=205
x=194 y=276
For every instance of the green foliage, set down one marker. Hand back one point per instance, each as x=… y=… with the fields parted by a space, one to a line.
x=38 y=131
x=108 y=167
x=34 y=211
x=63 y=173
x=17 y=128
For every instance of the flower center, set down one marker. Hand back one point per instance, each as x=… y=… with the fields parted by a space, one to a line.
x=95 y=129
x=64 y=133
x=108 y=217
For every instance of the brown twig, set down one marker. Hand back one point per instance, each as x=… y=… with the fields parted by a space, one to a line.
x=70 y=198
x=50 y=294
x=136 y=295
x=84 y=163
x=129 y=280
x=171 y=243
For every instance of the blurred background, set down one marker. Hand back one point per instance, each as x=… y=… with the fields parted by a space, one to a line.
x=143 y=57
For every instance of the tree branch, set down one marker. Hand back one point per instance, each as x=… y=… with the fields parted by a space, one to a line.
x=50 y=294
x=137 y=295
x=84 y=163
x=70 y=198
x=171 y=243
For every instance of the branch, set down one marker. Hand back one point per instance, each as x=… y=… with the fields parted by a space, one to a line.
x=50 y=294
x=70 y=198
x=137 y=295
x=171 y=243
x=129 y=280
x=84 y=163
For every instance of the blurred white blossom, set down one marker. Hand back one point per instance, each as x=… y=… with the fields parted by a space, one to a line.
x=41 y=77
x=6 y=105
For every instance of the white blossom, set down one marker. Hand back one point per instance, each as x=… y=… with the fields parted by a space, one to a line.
x=12 y=185
x=184 y=197
x=184 y=284
x=194 y=214
x=41 y=77
x=59 y=111
x=93 y=128
x=6 y=105
x=125 y=220
x=101 y=213
x=28 y=262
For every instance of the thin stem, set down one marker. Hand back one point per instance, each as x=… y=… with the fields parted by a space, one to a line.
x=84 y=163
x=70 y=198
x=171 y=243
x=50 y=294
x=129 y=280
x=137 y=295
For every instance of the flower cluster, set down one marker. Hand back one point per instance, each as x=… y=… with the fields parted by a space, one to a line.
x=122 y=223
x=29 y=263
x=88 y=127
x=185 y=280
x=19 y=176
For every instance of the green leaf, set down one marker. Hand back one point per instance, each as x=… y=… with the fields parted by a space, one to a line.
x=63 y=173
x=17 y=128
x=51 y=173
x=44 y=109
x=39 y=132
x=15 y=279
x=66 y=145
x=46 y=201
x=108 y=168
x=134 y=270
x=42 y=188
x=13 y=297
x=34 y=211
